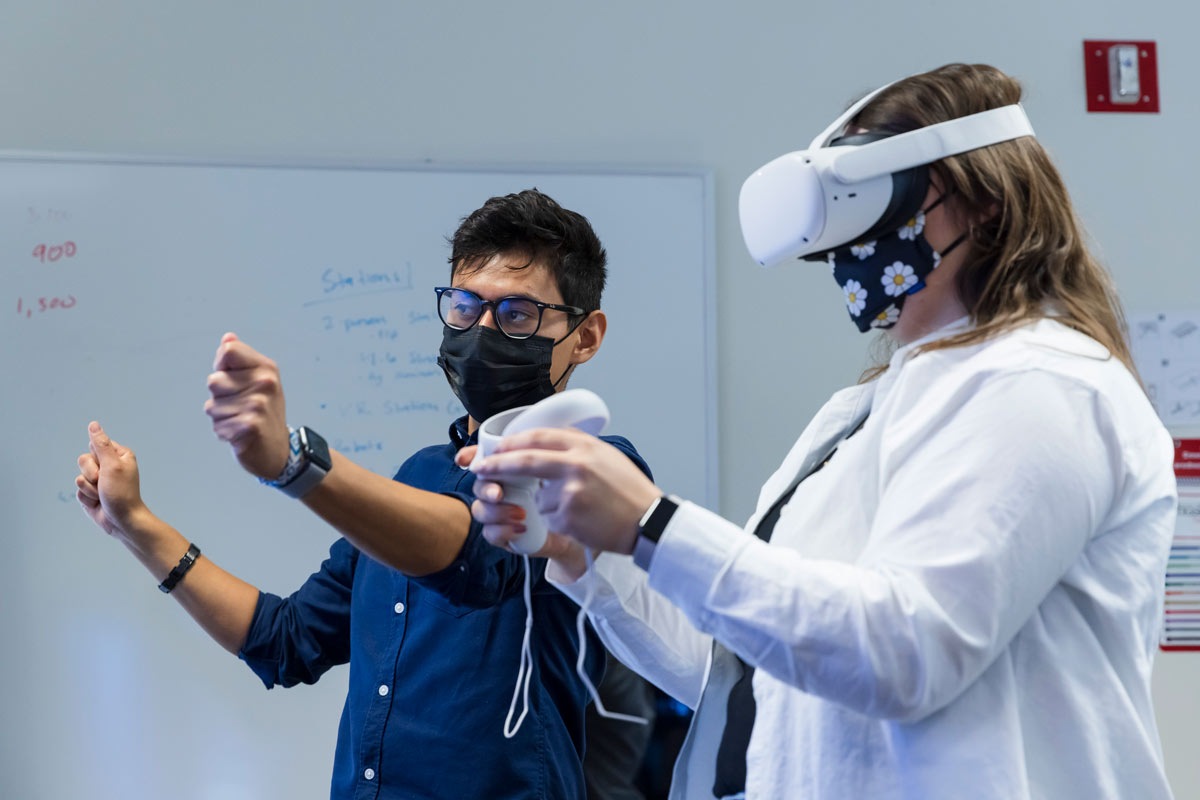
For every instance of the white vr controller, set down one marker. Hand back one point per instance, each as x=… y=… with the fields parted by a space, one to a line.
x=574 y=408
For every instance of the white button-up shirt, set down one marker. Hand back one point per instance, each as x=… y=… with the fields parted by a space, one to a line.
x=964 y=603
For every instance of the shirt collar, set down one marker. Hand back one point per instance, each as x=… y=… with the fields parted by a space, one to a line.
x=458 y=433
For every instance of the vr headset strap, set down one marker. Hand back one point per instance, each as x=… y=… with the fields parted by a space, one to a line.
x=931 y=143
x=835 y=127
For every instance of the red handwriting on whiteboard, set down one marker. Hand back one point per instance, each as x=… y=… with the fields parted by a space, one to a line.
x=54 y=252
x=44 y=304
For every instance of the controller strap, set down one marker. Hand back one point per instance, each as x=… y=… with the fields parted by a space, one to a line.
x=580 y=618
x=526 y=669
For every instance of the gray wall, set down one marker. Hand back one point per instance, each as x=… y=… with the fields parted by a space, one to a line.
x=709 y=84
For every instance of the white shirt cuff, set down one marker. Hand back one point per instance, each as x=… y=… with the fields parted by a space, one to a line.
x=605 y=598
x=696 y=548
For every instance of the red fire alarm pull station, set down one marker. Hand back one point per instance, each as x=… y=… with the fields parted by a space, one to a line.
x=1121 y=76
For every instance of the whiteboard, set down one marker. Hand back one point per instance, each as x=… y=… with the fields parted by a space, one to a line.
x=120 y=277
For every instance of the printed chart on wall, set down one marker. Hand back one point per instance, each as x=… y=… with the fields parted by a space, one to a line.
x=1166 y=348
x=1181 y=618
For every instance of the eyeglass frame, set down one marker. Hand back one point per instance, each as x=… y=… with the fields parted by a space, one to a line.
x=570 y=311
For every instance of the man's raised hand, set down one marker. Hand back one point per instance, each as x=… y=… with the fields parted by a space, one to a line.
x=107 y=485
x=247 y=407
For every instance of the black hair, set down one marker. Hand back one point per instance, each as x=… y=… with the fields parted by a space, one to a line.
x=532 y=224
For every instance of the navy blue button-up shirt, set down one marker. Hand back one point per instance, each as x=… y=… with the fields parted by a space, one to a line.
x=433 y=661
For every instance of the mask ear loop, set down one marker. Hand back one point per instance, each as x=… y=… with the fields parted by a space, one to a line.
x=582 y=318
x=570 y=367
x=941 y=199
x=953 y=245
x=525 y=671
x=934 y=205
x=587 y=682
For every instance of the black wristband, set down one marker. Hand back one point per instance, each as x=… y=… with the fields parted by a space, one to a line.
x=181 y=568
x=656 y=521
x=651 y=528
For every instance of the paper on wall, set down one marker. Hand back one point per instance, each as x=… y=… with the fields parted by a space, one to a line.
x=1166 y=349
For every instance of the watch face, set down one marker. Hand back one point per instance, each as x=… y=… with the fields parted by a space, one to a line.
x=315 y=448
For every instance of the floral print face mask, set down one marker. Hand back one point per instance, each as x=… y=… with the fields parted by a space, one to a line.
x=876 y=277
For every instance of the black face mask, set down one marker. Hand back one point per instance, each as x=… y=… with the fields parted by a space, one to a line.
x=490 y=373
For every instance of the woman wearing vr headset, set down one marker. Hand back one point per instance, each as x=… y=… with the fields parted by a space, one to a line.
x=952 y=585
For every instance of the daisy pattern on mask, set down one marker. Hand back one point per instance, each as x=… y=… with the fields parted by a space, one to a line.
x=914 y=226
x=886 y=318
x=937 y=259
x=898 y=279
x=863 y=250
x=856 y=297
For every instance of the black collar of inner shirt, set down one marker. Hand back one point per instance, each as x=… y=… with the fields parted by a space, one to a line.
x=458 y=433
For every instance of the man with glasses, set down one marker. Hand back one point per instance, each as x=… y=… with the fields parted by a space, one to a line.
x=428 y=614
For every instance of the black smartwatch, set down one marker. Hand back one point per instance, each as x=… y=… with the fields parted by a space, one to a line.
x=651 y=527
x=308 y=463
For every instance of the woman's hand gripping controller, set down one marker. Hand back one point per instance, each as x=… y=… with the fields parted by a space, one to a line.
x=574 y=408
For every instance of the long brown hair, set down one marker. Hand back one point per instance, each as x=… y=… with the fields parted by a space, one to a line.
x=1028 y=258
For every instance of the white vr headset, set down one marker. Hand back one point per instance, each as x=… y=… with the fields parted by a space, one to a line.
x=845 y=189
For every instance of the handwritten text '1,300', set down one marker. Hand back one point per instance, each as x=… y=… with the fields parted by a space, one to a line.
x=45 y=304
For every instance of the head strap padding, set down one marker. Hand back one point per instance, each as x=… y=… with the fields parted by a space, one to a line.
x=932 y=143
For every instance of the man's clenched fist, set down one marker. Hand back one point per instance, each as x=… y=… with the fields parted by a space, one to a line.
x=247 y=407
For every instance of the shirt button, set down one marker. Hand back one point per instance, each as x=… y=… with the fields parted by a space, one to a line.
x=399 y=608
x=383 y=690
x=369 y=774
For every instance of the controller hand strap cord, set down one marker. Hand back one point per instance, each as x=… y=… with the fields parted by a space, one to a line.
x=587 y=682
x=525 y=672
x=526 y=669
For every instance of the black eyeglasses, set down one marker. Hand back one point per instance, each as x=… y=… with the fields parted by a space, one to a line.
x=516 y=317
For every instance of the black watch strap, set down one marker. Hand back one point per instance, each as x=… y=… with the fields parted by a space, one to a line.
x=181 y=569
x=651 y=529
x=657 y=516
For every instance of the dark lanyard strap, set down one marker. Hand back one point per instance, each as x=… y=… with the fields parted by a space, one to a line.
x=740 y=708
x=766 y=525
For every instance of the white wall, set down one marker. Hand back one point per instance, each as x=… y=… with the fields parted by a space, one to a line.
x=709 y=84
